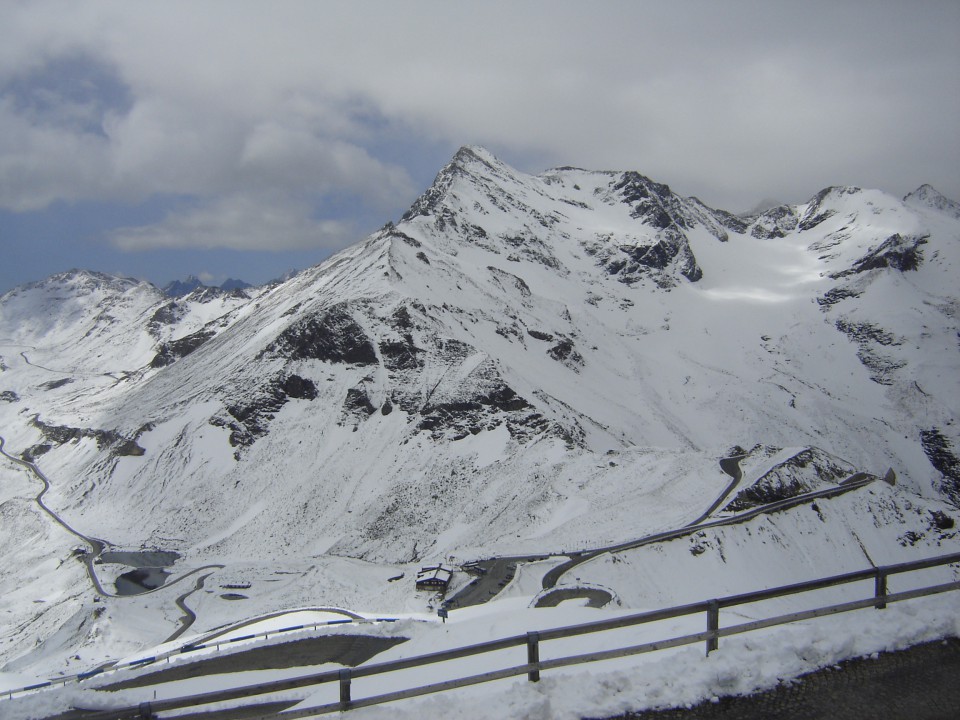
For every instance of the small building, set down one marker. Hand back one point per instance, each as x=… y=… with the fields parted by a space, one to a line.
x=434 y=577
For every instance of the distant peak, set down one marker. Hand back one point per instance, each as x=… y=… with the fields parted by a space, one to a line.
x=763 y=206
x=234 y=284
x=838 y=191
x=924 y=191
x=85 y=281
x=928 y=196
x=179 y=288
x=478 y=161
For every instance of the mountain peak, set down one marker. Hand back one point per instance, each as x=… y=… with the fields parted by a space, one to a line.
x=928 y=196
x=178 y=288
x=470 y=161
x=468 y=154
x=86 y=281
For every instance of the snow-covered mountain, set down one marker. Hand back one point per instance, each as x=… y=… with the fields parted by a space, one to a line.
x=520 y=364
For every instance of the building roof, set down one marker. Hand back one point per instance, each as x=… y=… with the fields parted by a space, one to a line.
x=436 y=573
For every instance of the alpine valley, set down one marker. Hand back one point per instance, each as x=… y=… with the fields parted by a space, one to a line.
x=521 y=366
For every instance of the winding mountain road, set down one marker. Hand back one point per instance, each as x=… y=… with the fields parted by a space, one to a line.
x=189 y=616
x=497 y=572
x=23 y=354
x=854 y=482
x=269 y=616
x=730 y=465
x=96 y=544
x=596 y=597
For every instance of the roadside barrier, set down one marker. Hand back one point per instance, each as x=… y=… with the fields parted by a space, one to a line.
x=141 y=662
x=711 y=608
x=534 y=666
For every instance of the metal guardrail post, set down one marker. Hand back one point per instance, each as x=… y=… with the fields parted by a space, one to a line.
x=713 y=624
x=344 y=689
x=880 y=589
x=533 y=655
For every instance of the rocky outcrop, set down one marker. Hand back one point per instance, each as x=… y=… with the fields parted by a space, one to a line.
x=331 y=336
x=818 y=208
x=109 y=440
x=661 y=261
x=870 y=339
x=775 y=223
x=172 y=351
x=897 y=252
x=801 y=474
x=939 y=450
x=248 y=420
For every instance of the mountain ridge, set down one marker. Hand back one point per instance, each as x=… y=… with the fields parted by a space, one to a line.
x=519 y=364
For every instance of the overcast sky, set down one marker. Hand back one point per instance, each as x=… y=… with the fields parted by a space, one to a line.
x=244 y=138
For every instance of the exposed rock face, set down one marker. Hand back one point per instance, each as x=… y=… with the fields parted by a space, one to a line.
x=800 y=474
x=632 y=260
x=636 y=261
x=869 y=339
x=775 y=223
x=835 y=295
x=509 y=282
x=167 y=314
x=718 y=222
x=357 y=404
x=248 y=420
x=565 y=353
x=174 y=350
x=943 y=457
x=896 y=252
x=332 y=336
x=299 y=388
x=109 y=440
x=401 y=353
x=816 y=212
x=455 y=419
x=652 y=202
x=54 y=384
x=657 y=207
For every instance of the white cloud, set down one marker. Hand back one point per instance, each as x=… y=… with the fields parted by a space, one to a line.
x=239 y=222
x=42 y=163
x=732 y=102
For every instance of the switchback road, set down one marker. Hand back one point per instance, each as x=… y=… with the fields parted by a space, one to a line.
x=730 y=465
x=96 y=544
x=852 y=483
x=497 y=572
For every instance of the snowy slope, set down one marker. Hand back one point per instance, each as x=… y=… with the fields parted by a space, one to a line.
x=521 y=364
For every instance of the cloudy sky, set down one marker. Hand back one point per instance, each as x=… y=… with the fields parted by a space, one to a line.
x=245 y=138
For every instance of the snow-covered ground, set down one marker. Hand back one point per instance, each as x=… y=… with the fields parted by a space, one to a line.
x=522 y=365
x=743 y=664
